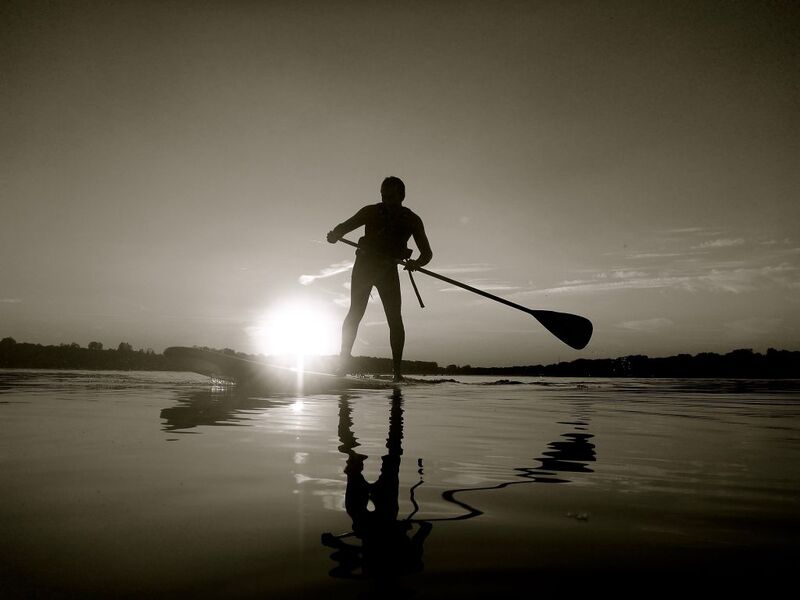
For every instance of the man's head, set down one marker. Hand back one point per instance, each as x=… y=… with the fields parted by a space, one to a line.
x=393 y=190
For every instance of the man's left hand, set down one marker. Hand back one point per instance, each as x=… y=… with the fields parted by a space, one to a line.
x=411 y=265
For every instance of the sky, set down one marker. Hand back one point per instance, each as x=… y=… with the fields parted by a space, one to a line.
x=170 y=169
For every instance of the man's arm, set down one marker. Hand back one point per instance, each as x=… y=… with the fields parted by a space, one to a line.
x=424 y=246
x=354 y=222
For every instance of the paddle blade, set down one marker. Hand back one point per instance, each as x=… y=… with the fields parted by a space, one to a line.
x=575 y=331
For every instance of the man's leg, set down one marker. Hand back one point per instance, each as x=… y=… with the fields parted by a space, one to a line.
x=389 y=290
x=360 y=287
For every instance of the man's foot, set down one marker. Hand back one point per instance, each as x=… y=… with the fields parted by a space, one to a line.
x=398 y=378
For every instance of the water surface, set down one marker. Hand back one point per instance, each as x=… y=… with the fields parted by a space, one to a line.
x=158 y=484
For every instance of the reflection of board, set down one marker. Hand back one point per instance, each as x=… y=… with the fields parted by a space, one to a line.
x=270 y=378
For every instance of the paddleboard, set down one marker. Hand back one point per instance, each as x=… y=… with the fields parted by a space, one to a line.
x=265 y=376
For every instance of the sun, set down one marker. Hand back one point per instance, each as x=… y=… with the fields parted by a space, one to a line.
x=296 y=329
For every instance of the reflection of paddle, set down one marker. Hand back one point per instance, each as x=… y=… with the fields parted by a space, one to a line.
x=573 y=330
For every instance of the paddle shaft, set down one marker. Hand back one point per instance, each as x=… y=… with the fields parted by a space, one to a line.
x=461 y=285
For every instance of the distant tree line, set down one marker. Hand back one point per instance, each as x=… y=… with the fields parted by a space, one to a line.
x=22 y=355
x=742 y=363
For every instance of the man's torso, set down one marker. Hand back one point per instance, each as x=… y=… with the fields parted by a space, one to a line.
x=388 y=229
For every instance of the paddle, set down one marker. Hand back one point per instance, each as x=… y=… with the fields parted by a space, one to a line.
x=575 y=331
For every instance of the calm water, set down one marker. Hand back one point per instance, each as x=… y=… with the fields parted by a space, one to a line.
x=157 y=484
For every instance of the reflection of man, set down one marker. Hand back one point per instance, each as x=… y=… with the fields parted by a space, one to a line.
x=388 y=227
x=385 y=546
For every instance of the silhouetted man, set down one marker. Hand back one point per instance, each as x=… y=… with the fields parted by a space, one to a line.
x=388 y=227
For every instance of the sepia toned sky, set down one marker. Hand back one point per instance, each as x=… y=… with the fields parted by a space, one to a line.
x=170 y=169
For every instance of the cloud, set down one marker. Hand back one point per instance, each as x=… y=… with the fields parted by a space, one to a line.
x=685 y=241
x=622 y=274
x=676 y=264
x=465 y=268
x=752 y=279
x=753 y=326
x=736 y=281
x=686 y=230
x=783 y=242
x=569 y=287
x=647 y=325
x=334 y=269
x=486 y=285
x=485 y=288
x=693 y=232
x=10 y=300
x=640 y=255
x=720 y=243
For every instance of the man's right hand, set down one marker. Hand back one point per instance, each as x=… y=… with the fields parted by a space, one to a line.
x=332 y=237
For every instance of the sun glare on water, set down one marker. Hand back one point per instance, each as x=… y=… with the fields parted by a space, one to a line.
x=298 y=330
